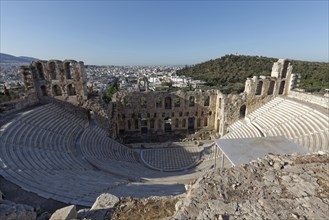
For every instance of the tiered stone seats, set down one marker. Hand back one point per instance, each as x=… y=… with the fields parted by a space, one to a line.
x=242 y=129
x=46 y=152
x=297 y=122
x=171 y=159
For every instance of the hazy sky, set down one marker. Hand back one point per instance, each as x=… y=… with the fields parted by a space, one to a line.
x=164 y=32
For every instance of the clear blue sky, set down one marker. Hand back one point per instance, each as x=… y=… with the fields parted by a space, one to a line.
x=164 y=32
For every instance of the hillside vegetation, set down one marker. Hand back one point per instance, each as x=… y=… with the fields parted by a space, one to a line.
x=229 y=72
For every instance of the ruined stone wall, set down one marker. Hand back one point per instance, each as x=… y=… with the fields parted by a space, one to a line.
x=163 y=112
x=315 y=99
x=62 y=80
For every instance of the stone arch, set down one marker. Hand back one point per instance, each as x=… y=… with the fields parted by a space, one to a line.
x=67 y=70
x=71 y=90
x=281 y=89
x=158 y=103
x=259 y=88
x=43 y=90
x=243 y=109
x=152 y=123
x=191 y=101
x=52 y=70
x=136 y=123
x=271 y=88
x=40 y=70
x=57 y=91
x=167 y=102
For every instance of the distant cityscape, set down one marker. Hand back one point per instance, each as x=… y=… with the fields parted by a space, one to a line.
x=125 y=77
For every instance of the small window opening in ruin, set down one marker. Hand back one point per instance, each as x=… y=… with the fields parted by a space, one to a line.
x=187 y=113
x=191 y=101
x=207 y=101
x=167 y=124
x=281 y=89
x=168 y=103
x=143 y=102
x=57 y=90
x=173 y=114
x=139 y=115
x=180 y=114
x=205 y=122
x=71 y=90
x=148 y=114
x=177 y=102
x=271 y=88
x=155 y=115
x=284 y=69
x=259 y=88
x=196 y=114
x=219 y=102
x=210 y=113
x=202 y=113
x=218 y=121
x=243 y=111
x=144 y=123
x=133 y=115
x=68 y=70
x=123 y=116
x=40 y=70
x=191 y=121
x=52 y=70
x=43 y=90
x=158 y=103
x=184 y=123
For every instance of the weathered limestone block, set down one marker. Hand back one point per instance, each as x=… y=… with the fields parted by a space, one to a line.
x=66 y=213
x=105 y=201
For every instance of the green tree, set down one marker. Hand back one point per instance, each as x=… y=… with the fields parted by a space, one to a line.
x=108 y=93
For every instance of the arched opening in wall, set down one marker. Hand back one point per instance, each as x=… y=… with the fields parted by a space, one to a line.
x=158 y=103
x=129 y=125
x=57 y=90
x=71 y=90
x=52 y=70
x=284 y=69
x=136 y=124
x=176 y=123
x=271 y=88
x=168 y=102
x=183 y=123
x=143 y=102
x=177 y=102
x=191 y=101
x=152 y=123
x=281 y=89
x=207 y=101
x=43 y=90
x=218 y=121
x=144 y=126
x=205 y=122
x=259 y=88
x=40 y=70
x=191 y=122
x=121 y=127
x=67 y=70
x=167 y=124
x=243 y=109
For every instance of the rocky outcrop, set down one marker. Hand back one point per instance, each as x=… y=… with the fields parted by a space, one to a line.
x=105 y=201
x=66 y=213
x=276 y=187
x=12 y=211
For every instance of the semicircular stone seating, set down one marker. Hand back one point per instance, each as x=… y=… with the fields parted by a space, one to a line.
x=38 y=152
x=301 y=124
x=171 y=159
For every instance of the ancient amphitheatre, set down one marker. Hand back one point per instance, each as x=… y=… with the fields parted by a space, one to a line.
x=71 y=149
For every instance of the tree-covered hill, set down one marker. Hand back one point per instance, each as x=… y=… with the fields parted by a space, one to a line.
x=229 y=72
